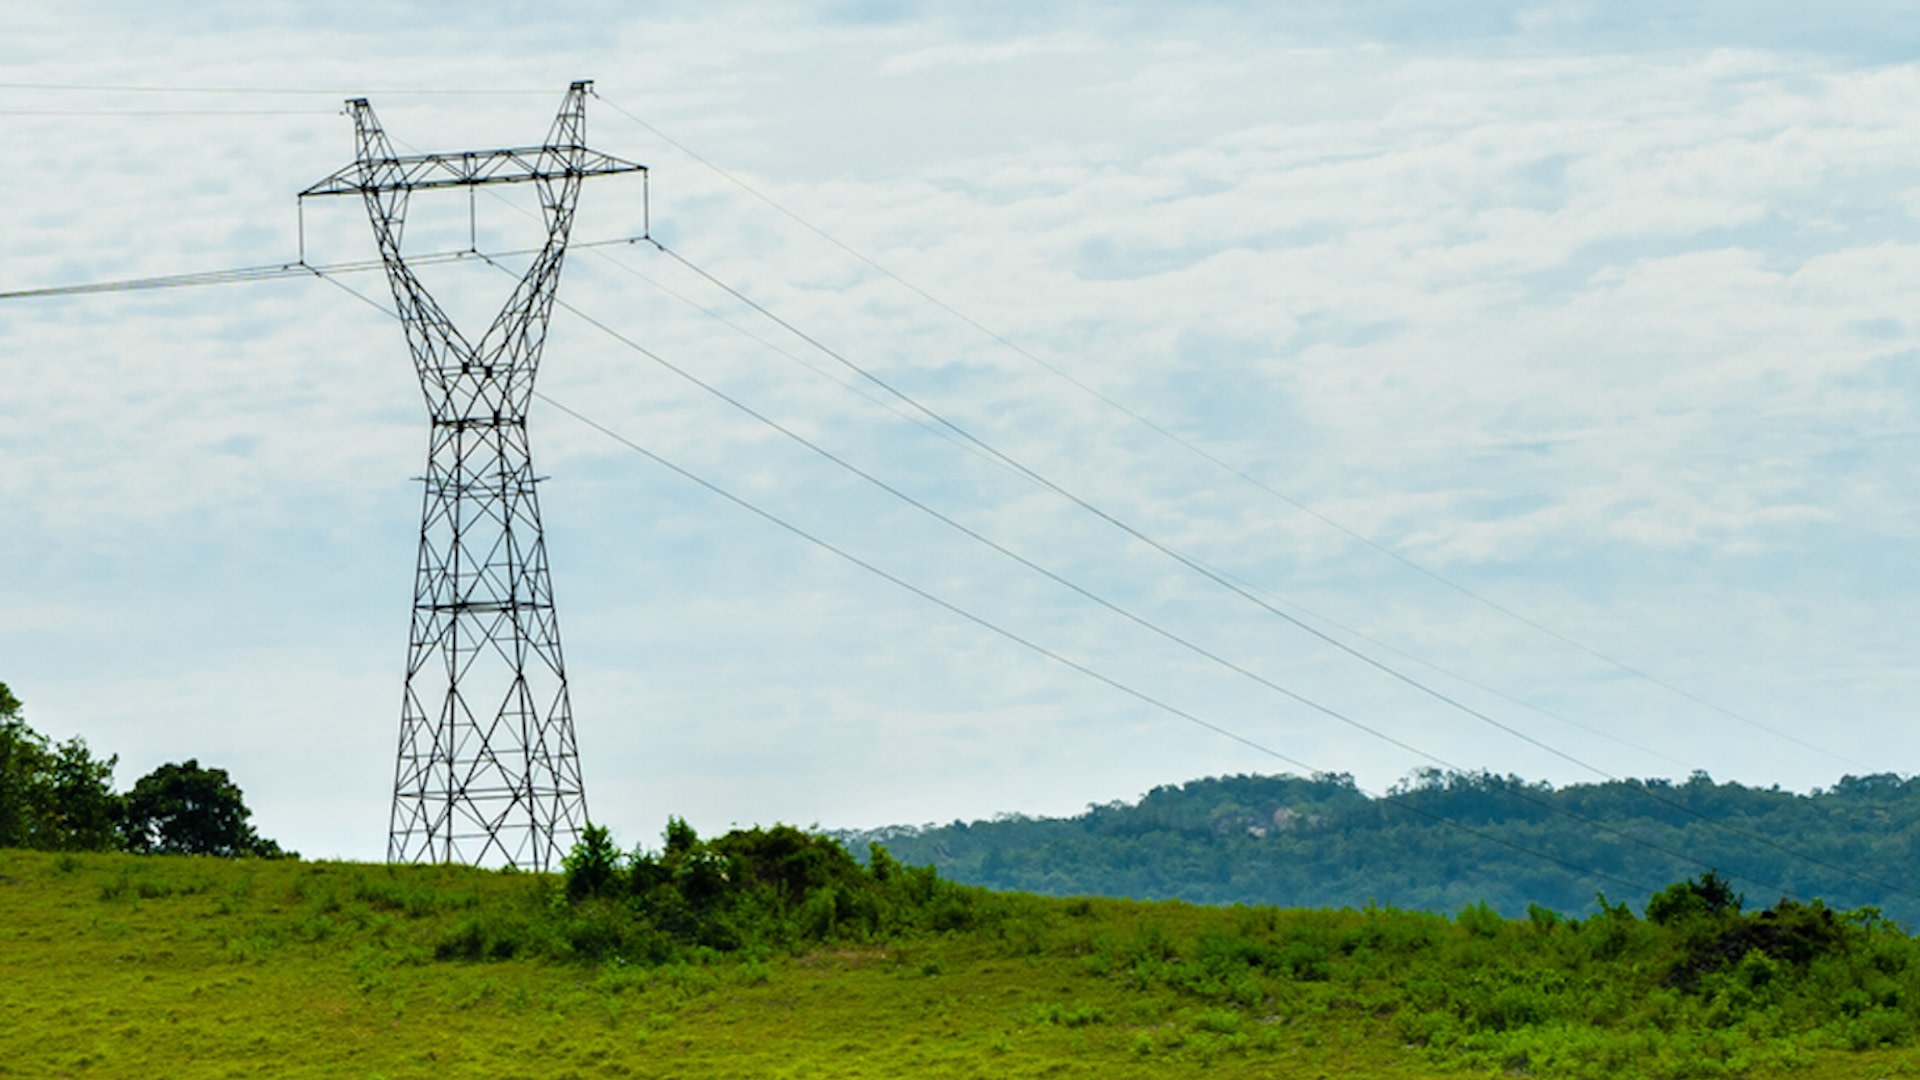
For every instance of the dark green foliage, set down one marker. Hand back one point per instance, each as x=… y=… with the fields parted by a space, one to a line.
x=182 y=808
x=59 y=797
x=1787 y=933
x=1717 y=993
x=593 y=865
x=1320 y=842
x=1711 y=897
x=680 y=836
x=52 y=797
x=24 y=784
x=749 y=892
x=85 y=811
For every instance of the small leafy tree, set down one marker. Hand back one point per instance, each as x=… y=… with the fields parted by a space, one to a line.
x=85 y=813
x=184 y=809
x=1709 y=896
x=680 y=837
x=593 y=866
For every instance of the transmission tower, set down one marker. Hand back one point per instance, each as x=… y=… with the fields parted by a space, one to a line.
x=488 y=768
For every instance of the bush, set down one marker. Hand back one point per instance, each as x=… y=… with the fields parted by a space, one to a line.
x=1710 y=897
x=593 y=866
x=749 y=891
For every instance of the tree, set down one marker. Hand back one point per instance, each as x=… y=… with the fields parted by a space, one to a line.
x=593 y=866
x=1711 y=896
x=24 y=781
x=184 y=809
x=85 y=813
x=52 y=797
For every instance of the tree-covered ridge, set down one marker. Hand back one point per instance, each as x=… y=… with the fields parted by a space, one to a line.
x=1441 y=841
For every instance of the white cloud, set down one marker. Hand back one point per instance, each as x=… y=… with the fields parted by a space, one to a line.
x=978 y=55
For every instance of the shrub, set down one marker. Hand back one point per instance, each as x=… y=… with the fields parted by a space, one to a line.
x=750 y=890
x=593 y=866
x=1711 y=896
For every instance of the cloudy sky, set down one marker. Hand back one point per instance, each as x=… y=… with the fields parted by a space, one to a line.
x=1557 y=357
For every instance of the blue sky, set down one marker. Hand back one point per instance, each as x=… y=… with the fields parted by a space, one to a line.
x=1598 y=311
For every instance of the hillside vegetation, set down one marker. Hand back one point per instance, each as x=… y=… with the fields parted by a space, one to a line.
x=1320 y=842
x=770 y=952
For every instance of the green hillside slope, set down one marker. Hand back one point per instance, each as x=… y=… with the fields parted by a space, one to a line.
x=759 y=954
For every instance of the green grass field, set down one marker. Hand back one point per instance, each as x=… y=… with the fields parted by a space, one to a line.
x=180 y=967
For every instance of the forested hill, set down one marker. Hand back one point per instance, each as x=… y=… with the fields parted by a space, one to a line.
x=1320 y=842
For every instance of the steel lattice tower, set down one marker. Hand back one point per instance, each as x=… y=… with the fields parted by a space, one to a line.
x=488 y=768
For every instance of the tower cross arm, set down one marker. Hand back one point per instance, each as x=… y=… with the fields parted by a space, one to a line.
x=470 y=168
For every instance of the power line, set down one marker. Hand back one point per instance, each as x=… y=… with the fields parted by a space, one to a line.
x=1467 y=679
x=1395 y=799
x=122 y=88
x=326 y=273
x=1211 y=574
x=944 y=433
x=288 y=270
x=1219 y=577
x=953 y=433
x=1190 y=562
x=965 y=439
x=270 y=272
x=1215 y=460
x=301 y=269
x=292 y=270
x=165 y=112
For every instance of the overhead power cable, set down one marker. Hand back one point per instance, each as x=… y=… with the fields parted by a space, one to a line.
x=1147 y=624
x=1396 y=799
x=1223 y=579
x=1468 y=680
x=286 y=270
x=946 y=431
x=1682 y=808
x=268 y=272
x=255 y=91
x=1208 y=456
x=165 y=112
x=326 y=273
x=921 y=421
x=851 y=386
x=1212 y=574
x=1008 y=461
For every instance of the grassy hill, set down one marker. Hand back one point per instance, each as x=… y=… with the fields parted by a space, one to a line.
x=759 y=954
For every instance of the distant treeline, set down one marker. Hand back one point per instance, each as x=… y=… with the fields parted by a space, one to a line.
x=1443 y=840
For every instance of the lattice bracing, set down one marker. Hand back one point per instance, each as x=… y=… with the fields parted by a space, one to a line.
x=488 y=770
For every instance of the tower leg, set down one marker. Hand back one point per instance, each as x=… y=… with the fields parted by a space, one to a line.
x=488 y=771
